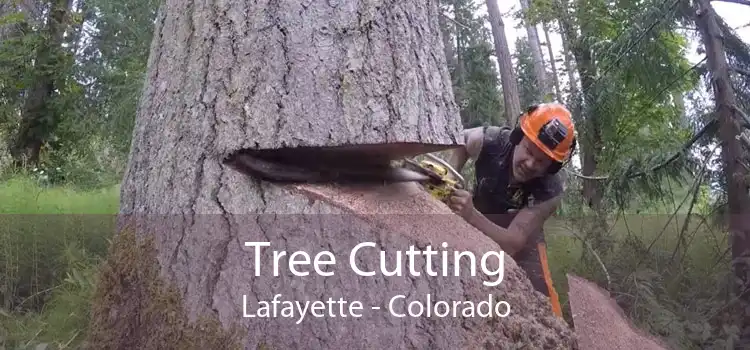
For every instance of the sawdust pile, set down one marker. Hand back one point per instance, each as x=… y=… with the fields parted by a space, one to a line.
x=132 y=312
x=403 y=215
x=601 y=323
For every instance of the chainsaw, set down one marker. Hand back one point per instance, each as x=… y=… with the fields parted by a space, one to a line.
x=334 y=165
x=442 y=180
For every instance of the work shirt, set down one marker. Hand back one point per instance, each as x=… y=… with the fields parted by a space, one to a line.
x=497 y=199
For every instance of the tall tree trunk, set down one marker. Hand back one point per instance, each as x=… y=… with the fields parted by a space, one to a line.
x=540 y=72
x=230 y=76
x=460 y=71
x=38 y=117
x=553 y=64
x=732 y=155
x=679 y=103
x=569 y=67
x=590 y=138
x=508 y=80
x=447 y=42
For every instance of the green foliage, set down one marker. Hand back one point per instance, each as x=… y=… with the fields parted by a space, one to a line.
x=483 y=104
x=64 y=320
x=87 y=120
x=52 y=240
x=528 y=89
x=117 y=63
x=475 y=78
x=637 y=65
x=668 y=274
x=16 y=54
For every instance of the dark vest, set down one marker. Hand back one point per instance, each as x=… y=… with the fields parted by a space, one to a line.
x=493 y=195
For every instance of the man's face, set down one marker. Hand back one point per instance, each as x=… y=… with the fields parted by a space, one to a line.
x=529 y=161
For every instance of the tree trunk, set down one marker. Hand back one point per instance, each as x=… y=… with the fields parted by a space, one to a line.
x=289 y=75
x=679 y=103
x=460 y=71
x=569 y=68
x=590 y=138
x=738 y=201
x=507 y=76
x=38 y=117
x=553 y=64
x=447 y=42
x=540 y=71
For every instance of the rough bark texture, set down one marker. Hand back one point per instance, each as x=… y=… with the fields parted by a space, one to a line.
x=511 y=97
x=738 y=200
x=231 y=75
x=289 y=73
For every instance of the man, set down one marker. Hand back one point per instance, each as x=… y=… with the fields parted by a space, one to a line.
x=512 y=165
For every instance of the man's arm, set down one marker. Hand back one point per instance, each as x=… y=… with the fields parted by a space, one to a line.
x=526 y=222
x=548 y=195
x=473 y=139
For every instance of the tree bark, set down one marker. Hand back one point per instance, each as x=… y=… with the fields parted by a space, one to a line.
x=38 y=117
x=536 y=54
x=511 y=97
x=553 y=64
x=590 y=138
x=232 y=75
x=569 y=67
x=447 y=42
x=732 y=153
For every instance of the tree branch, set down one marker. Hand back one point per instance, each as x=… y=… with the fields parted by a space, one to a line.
x=706 y=129
x=741 y=71
x=741 y=2
x=745 y=118
x=453 y=20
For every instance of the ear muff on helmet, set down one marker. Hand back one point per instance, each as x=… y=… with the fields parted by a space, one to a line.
x=555 y=167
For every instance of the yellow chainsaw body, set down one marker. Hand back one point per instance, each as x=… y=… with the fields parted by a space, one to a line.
x=443 y=188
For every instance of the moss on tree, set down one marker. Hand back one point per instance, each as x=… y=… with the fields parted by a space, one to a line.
x=133 y=307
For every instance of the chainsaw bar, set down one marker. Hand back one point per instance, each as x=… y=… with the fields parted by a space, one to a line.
x=324 y=170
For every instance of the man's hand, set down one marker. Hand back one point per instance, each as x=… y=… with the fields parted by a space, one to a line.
x=461 y=203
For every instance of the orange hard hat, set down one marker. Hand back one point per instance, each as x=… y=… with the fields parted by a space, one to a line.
x=550 y=127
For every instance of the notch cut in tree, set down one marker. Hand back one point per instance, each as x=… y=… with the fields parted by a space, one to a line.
x=228 y=77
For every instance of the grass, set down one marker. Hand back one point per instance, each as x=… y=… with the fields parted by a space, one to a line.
x=52 y=238
x=674 y=288
x=50 y=242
